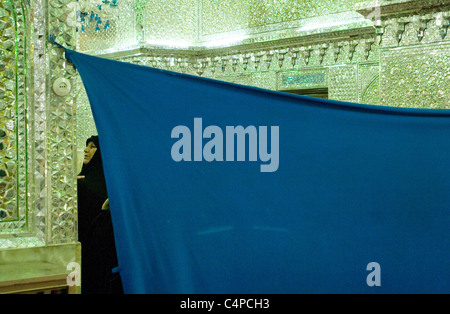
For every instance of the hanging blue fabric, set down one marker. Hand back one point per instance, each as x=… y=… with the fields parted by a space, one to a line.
x=222 y=188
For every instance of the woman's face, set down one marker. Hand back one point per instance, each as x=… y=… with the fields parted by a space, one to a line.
x=89 y=152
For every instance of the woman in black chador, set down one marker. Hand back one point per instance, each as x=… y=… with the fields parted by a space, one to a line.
x=95 y=230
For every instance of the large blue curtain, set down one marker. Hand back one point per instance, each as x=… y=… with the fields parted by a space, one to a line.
x=306 y=196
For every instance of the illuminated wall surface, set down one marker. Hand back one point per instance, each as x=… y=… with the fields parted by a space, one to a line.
x=392 y=52
x=37 y=139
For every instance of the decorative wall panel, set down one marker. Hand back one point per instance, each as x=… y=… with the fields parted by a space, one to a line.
x=60 y=136
x=172 y=23
x=105 y=25
x=14 y=184
x=369 y=83
x=305 y=79
x=266 y=80
x=218 y=16
x=343 y=84
x=38 y=122
x=38 y=157
x=416 y=76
